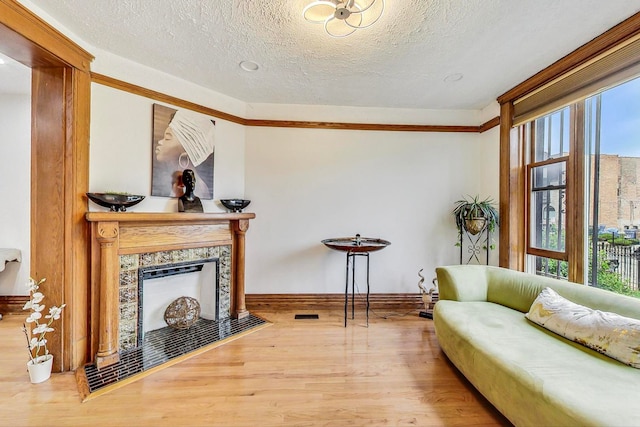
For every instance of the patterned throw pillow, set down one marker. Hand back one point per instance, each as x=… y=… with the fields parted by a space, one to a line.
x=608 y=333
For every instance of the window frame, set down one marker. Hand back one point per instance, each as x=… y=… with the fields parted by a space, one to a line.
x=574 y=198
x=513 y=189
x=534 y=250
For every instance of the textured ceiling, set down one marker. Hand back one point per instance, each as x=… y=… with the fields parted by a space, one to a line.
x=401 y=62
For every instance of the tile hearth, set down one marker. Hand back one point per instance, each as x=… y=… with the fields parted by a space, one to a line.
x=167 y=344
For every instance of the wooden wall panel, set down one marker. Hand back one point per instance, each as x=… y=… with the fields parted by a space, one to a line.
x=48 y=258
x=77 y=244
x=141 y=238
x=512 y=187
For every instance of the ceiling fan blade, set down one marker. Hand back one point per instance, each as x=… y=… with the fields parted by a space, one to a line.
x=318 y=11
x=337 y=27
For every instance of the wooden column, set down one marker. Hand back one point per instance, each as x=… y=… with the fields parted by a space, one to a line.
x=239 y=228
x=512 y=193
x=107 y=236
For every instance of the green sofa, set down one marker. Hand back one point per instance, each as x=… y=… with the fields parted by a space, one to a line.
x=531 y=375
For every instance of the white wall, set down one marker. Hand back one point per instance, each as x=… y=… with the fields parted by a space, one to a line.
x=15 y=191
x=121 y=152
x=308 y=184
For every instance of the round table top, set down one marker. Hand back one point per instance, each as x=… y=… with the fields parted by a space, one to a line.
x=353 y=244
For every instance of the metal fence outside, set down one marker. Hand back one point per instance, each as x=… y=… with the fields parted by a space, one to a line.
x=624 y=261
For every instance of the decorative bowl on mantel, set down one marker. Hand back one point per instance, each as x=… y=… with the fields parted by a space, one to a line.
x=116 y=202
x=235 y=205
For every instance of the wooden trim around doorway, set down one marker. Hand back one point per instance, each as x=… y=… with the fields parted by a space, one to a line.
x=46 y=44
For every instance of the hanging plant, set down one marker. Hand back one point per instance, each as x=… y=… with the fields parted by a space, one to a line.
x=474 y=215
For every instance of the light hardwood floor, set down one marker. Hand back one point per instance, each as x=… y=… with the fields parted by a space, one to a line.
x=293 y=373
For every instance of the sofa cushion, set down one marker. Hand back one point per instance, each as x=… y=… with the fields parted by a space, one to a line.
x=608 y=333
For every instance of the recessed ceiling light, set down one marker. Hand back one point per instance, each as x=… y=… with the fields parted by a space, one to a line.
x=2 y=61
x=249 y=66
x=455 y=77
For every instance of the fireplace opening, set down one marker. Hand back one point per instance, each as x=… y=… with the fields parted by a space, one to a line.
x=158 y=286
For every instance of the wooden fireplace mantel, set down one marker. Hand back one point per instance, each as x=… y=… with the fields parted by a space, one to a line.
x=120 y=233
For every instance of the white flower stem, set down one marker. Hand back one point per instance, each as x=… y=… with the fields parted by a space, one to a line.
x=24 y=329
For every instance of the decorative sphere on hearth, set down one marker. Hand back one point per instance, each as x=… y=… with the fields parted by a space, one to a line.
x=182 y=313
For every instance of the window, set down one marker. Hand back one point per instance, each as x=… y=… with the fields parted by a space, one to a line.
x=561 y=172
x=548 y=189
x=612 y=126
x=610 y=187
x=547 y=144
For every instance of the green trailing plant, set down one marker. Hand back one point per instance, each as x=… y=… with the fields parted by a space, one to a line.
x=471 y=208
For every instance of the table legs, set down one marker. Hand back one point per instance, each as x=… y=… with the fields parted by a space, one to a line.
x=351 y=256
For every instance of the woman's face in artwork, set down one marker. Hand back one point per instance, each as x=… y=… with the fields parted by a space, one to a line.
x=168 y=148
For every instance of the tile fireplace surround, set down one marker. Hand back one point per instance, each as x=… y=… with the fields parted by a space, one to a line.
x=123 y=241
x=130 y=319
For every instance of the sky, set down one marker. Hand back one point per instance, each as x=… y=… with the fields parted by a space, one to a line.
x=620 y=132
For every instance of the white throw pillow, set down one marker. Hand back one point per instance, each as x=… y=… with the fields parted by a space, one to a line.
x=608 y=333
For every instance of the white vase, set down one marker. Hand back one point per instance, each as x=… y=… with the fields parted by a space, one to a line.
x=41 y=370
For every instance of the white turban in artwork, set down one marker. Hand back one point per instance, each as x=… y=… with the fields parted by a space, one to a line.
x=195 y=133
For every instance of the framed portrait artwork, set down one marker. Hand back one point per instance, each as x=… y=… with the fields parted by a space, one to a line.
x=181 y=140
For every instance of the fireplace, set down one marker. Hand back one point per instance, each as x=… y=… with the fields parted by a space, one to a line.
x=126 y=247
x=150 y=281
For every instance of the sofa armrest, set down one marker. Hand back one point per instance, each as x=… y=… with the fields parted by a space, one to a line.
x=462 y=282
